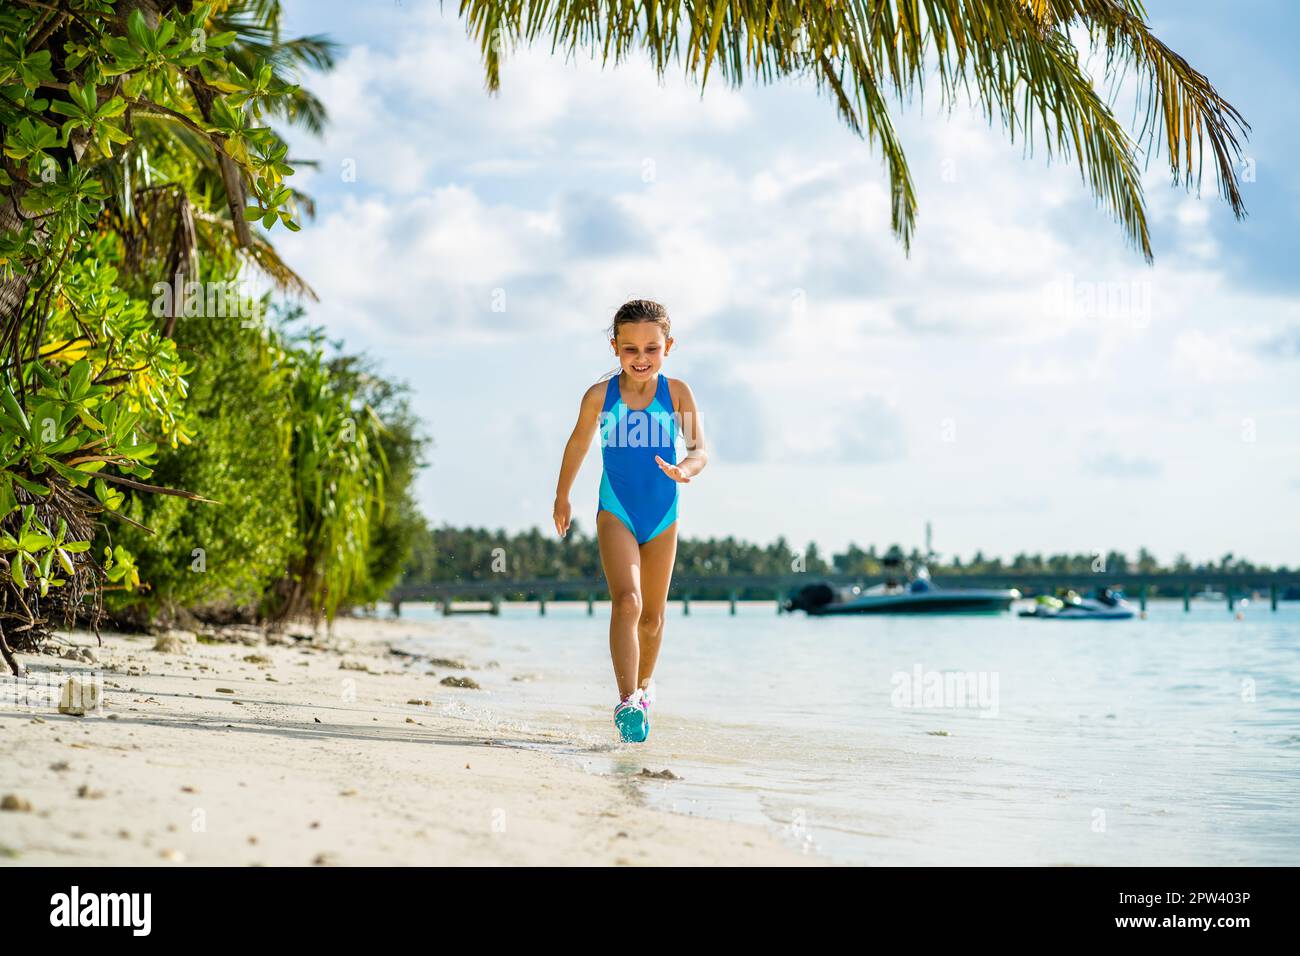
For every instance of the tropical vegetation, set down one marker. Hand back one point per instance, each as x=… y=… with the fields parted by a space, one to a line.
x=168 y=440
x=451 y=555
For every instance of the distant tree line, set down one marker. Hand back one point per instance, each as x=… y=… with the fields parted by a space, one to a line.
x=447 y=554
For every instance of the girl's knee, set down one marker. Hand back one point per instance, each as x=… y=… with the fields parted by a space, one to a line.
x=651 y=622
x=627 y=602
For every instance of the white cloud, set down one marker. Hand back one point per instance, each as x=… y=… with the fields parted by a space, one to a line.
x=806 y=332
x=1210 y=358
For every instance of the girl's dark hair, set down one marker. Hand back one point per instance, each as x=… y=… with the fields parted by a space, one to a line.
x=640 y=310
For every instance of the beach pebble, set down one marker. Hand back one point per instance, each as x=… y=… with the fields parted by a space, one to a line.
x=79 y=697
x=172 y=856
x=86 y=792
x=447 y=662
x=86 y=654
x=167 y=644
x=664 y=774
x=244 y=634
x=467 y=682
x=11 y=801
x=225 y=690
x=354 y=666
x=257 y=659
x=325 y=859
x=60 y=765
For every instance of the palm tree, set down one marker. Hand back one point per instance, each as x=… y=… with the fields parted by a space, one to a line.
x=174 y=190
x=177 y=230
x=1015 y=59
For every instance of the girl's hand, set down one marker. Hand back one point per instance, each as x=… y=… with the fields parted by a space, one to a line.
x=673 y=471
x=563 y=515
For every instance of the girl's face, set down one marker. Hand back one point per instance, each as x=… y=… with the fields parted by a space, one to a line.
x=641 y=347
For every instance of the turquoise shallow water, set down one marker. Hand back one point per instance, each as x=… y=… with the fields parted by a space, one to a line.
x=1171 y=740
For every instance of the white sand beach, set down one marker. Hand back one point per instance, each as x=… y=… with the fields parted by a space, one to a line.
x=318 y=752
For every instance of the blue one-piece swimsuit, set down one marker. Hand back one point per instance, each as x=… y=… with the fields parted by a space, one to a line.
x=634 y=488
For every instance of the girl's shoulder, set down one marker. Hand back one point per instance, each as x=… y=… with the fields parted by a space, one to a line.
x=595 y=394
x=679 y=390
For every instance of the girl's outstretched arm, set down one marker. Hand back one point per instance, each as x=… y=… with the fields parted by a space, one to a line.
x=574 y=452
x=697 y=455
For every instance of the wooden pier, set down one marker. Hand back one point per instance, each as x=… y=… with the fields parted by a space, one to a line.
x=486 y=596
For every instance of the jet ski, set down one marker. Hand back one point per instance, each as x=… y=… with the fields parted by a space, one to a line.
x=1104 y=605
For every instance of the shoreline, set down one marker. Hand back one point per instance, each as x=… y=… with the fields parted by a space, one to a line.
x=302 y=752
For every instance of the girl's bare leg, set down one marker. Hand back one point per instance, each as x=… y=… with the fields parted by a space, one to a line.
x=657 y=558
x=621 y=559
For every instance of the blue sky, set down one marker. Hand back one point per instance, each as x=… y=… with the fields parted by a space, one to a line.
x=1023 y=379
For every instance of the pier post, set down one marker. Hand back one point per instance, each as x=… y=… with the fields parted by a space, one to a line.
x=397 y=608
x=496 y=605
x=1142 y=597
x=446 y=607
x=733 y=604
x=1272 y=597
x=1187 y=598
x=591 y=605
x=779 y=609
x=541 y=605
x=686 y=605
x=1228 y=591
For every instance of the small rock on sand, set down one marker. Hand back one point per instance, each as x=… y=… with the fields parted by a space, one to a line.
x=169 y=644
x=447 y=662
x=467 y=682
x=11 y=801
x=354 y=666
x=664 y=774
x=79 y=697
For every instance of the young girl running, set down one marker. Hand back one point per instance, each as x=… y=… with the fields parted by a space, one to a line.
x=639 y=412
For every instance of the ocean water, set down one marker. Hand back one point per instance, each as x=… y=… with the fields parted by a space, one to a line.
x=1171 y=740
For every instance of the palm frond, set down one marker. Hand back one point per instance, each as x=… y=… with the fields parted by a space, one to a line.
x=1013 y=58
x=261 y=255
